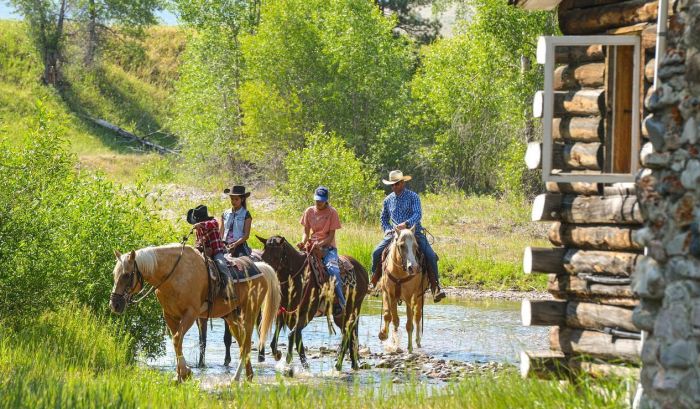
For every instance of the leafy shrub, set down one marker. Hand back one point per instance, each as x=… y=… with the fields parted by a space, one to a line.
x=58 y=230
x=327 y=161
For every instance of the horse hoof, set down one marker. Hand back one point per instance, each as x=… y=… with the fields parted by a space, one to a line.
x=261 y=357
x=339 y=366
x=305 y=364
x=227 y=361
x=382 y=336
x=278 y=355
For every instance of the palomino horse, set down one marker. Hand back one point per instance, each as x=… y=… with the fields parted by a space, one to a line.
x=301 y=300
x=180 y=278
x=403 y=280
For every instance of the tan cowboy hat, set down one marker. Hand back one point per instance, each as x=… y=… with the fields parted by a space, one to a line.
x=396 y=176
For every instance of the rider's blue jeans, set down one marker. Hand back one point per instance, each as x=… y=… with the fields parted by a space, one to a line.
x=332 y=263
x=423 y=244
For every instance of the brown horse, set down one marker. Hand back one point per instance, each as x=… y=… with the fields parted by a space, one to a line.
x=403 y=280
x=180 y=277
x=301 y=300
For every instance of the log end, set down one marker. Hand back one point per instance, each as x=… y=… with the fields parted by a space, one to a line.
x=538 y=104
x=533 y=155
x=526 y=312
x=527 y=260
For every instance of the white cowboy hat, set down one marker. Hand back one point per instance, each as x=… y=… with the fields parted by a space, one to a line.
x=396 y=176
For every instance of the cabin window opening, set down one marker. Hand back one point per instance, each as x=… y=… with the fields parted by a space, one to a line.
x=590 y=108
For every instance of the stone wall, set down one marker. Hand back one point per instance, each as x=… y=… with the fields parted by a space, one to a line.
x=668 y=278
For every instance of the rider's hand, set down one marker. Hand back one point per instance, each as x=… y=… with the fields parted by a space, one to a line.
x=300 y=245
x=401 y=226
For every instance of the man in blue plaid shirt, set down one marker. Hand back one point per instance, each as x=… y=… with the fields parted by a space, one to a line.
x=402 y=210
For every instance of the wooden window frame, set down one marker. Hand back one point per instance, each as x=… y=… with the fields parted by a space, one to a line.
x=545 y=55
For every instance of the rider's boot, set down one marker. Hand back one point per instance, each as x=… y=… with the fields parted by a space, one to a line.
x=438 y=293
x=376 y=275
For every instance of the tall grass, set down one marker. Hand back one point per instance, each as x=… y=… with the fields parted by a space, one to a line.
x=71 y=358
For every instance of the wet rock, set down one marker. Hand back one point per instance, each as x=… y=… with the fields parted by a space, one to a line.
x=365 y=365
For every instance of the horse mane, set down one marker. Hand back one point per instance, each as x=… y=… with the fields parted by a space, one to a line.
x=147 y=257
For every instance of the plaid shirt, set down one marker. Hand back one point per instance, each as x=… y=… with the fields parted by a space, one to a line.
x=208 y=236
x=402 y=208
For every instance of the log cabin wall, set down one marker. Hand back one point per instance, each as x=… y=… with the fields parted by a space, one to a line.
x=593 y=226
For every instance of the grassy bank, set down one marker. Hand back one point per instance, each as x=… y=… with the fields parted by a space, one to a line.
x=72 y=359
x=129 y=87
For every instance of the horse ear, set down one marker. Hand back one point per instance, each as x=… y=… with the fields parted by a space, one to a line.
x=117 y=254
x=413 y=229
x=263 y=241
x=132 y=255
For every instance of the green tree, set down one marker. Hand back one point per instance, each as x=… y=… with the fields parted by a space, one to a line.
x=335 y=64
x=474 y=89
x=207 y=96
x=326 y=160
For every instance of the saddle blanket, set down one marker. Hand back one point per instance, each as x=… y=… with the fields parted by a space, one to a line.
x=242 y=269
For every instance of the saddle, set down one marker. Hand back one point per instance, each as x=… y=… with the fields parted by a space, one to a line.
x=347 y=275
x=424 y=270
x=241 y=269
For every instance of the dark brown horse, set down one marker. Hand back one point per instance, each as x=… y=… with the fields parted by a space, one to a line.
x=301 y=299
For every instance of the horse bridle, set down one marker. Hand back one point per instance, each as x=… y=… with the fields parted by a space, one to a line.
x=126 y=296
x=283 y=257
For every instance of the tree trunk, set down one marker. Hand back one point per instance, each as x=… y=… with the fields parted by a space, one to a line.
x=52 y=50
x=91 y=46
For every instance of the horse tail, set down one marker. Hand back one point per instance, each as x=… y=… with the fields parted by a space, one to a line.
x=272 y=301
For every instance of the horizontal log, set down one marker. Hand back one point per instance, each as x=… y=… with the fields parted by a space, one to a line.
x=565 y=286
x=593 y=343
x=591 y=75
x=567 y=156
x=585 y=102
x=604 y=370
x=542 y=312
x=578 y=129
x=560 y=260
x=131 y=137
x=598 y=19
x=543 y=364
x=589 y=189
x=586 y=209
x=575 y=314
x=578 y=54
x=598 y=317
x=593 y=237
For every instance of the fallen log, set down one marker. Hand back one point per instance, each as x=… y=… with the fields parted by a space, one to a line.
x=577 y=129
x=587 y=209
x=590 y=75
x=560 y=260
x=594 y=237
x=590 y=189
x=585 y=102
x=543 y=364
x=131 y=137
x=598 y=19
x=593 y=343
x=576 y=314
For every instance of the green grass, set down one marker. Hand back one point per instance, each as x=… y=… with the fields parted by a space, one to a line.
x=130 y=88
x=71 y=358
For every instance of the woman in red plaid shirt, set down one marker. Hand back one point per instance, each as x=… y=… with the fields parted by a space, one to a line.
x=209 y=240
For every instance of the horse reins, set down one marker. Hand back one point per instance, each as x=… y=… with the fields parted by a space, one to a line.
x=139 y=276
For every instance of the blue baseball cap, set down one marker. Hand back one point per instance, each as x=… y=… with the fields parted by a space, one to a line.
x=321 y=194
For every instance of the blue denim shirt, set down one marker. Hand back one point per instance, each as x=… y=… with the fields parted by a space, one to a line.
x=234 y=223
x=403 y=208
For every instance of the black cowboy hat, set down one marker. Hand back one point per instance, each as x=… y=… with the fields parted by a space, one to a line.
x=198 y=214
x=237 y=190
